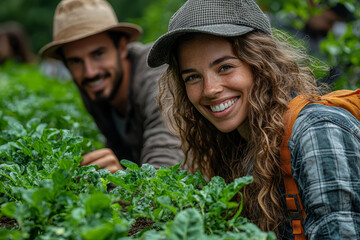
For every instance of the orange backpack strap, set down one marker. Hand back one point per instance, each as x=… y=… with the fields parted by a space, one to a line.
x=293 y=203
x=347 y=99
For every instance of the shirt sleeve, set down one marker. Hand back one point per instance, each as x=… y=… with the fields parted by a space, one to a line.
x=160 y=147
x=325 y=159
x=150 y=136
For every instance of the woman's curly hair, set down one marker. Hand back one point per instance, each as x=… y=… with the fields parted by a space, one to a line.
x=279 y=73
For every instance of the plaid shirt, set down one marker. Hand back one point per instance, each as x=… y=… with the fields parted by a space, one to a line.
x=325 y=161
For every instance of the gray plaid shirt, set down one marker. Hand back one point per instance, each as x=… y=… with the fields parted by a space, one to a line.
x=325 y=161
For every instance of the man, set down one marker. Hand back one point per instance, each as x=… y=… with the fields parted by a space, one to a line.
x=117 y=87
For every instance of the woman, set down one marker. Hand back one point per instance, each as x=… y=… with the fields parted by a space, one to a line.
x=225 y=92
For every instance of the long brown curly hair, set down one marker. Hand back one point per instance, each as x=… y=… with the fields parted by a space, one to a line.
x=279 y=72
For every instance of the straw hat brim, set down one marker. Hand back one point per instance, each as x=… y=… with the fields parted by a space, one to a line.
x=50 y=50
x=160 y=51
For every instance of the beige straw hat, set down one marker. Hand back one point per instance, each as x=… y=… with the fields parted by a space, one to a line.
x=77 y=19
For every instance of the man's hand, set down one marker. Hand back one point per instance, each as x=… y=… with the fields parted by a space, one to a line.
x=104 y=158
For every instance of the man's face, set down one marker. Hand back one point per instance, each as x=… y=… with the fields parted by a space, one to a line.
x=95 y=65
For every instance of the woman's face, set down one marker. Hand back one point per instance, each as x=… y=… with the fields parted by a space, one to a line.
x=217 y=82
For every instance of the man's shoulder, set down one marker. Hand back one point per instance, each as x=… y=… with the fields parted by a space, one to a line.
x=139 y=49
x=141 y=72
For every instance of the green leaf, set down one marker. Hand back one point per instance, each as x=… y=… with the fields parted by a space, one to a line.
x=96 y=203
x=11 y=234
x=201 y=178
x=61 y=178
x=188 y=225
x=66 y=164
x=8 y=209
x=129 y=164
x=99 y=232
x=165 y=202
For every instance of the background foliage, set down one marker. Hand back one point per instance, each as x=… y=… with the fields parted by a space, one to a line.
x=37 y=15
x=342 y=51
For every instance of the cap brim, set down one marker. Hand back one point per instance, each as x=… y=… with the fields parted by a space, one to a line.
x=160 y=51
x=132 y=30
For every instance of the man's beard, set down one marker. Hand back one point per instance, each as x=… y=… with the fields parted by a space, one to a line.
x=99 y=97
x=103 y=99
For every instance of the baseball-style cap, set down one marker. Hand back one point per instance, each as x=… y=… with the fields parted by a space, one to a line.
x=225 y=18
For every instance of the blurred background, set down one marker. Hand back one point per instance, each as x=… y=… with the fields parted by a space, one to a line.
x=329 y=29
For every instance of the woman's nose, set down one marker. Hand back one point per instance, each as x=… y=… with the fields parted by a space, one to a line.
x=212 y=86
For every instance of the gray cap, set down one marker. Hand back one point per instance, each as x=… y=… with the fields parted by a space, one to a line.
x=225 y=18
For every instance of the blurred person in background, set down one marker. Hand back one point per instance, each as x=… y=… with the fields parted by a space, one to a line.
x=14 y=44
x=118 y=89
x=331 y=19
x=318 y=26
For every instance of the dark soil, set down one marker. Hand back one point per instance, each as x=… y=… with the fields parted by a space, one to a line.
x=123 y=204
x=6 y=222
x=140 y=224
x=110 y=187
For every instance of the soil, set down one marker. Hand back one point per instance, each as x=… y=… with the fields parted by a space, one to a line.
x=140 y=224
x=6 y=222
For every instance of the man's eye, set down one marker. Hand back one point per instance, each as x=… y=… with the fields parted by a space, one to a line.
x=73 y=61
x=99 y=53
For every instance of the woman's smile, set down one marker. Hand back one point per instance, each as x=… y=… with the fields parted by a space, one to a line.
x=223 y=106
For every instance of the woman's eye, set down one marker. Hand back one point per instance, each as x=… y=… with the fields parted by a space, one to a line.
x=225 y=68
x=191 y=78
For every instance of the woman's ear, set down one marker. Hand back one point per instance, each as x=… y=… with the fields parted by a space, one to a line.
x=122 y=47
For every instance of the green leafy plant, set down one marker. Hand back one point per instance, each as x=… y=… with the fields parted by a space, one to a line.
x=46 y=194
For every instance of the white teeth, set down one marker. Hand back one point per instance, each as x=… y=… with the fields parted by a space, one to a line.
x=96 y=83
x=223 y=106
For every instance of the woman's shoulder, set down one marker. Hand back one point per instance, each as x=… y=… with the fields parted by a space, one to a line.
x=318 y=116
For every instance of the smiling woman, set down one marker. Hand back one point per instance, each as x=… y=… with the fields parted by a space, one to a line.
x=217 y=82
x=230 y=81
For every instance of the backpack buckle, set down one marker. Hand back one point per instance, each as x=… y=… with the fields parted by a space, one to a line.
x=293 y=206
x=295 y=214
